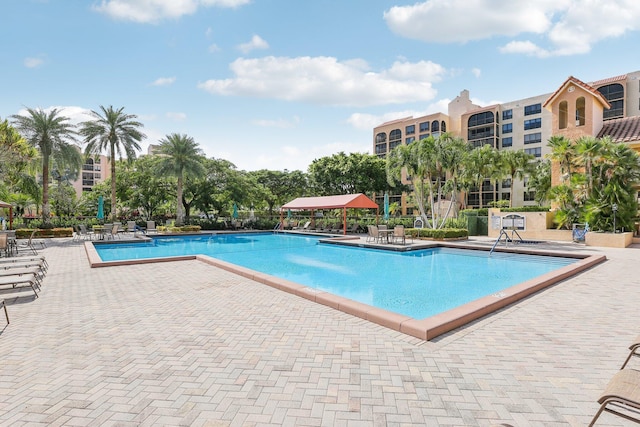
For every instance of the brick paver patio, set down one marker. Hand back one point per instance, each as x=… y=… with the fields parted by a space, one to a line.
x=184 y=343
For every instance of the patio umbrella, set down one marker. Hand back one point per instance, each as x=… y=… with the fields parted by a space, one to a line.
x=288 y=213
x=100 y=214
x=235 y=211
x=386 y=207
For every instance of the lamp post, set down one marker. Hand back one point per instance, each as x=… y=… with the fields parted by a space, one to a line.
x=614 y=207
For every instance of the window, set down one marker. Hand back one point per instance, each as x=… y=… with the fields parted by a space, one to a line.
x=536 y=152
x=97 y=176
x=507 y=142
x=533 y=124
x=532 y=109
x=395 y=134
x=381 y=137
x=614 y=93
x=529 y=196
x=410 y=140
x=505 y=196
x=443 y=126
x=507 y=128
x=507 y=114
x=381 y=148
x=484 y=141
x=394 y=144
x=424 y=127
x=480 y=119
x=506 y=183
x=563 y=115
x=423 y=136
x=580 y=111
x=476 y=133
x=435 y=126
x=410 y=130
x=533 y=138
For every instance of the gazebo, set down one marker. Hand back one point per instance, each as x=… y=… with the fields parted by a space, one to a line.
x=358 y=201
x=8 y=205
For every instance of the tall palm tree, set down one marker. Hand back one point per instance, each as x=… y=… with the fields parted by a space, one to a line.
x=516 y=164
x=115 y=132
x=589 y=150
x=562 y=152
x=179 y=156
x=53 y=135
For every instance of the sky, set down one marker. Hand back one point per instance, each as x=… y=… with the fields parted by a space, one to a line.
x=275 y=84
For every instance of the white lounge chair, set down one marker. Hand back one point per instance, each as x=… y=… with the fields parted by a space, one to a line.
x=29 y=279
x=151 y=227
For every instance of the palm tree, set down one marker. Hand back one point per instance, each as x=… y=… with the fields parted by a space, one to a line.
x=115 y=132
x=54 y=137
x=589 y=150
x=179 y=156
x=516 y=164
x=562 y=152
x=481 y=165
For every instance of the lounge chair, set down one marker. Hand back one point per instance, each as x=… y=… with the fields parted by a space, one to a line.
x=635 y=351
x=25 y=259
x=304 y=227
x=151 y=227
x=621 y=397
x=21 y=271
x=29 y=279
x=113 y=233
x=6 y=313
x=31 y=242
x=84 y=233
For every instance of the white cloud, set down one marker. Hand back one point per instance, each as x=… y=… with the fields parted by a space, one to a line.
x=153 y=11
x=33 y=62
x=164 y=81
x=76 y=115
x=476 y=72
x=280 y=123
x=363 y=121
x=327 y=81
x=566 y=27
x=176 y=116
x=256 y=42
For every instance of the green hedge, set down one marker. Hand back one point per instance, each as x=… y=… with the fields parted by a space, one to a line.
x=25 y=233
x=183 y=229
x=442 y=233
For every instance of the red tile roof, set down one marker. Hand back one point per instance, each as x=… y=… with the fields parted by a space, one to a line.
x=622 y=130
x=609 y=80
x=583 y=85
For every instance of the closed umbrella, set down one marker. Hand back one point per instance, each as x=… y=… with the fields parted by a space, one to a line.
x=100 y=214
x=386 y=207
x=235 y=211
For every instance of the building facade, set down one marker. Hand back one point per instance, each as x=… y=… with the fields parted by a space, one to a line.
x=94 y=170
x=608 y=107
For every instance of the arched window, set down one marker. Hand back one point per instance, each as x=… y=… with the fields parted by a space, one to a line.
x=614 y=93
x=563 y=115
x=381 y=137
x=435 y=126
x=443 y=126
x=580 y=111
x=395 y=138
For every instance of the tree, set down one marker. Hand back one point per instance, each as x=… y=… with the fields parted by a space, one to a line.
x=54 y=137
x=540 y=181
x=275 y=188
x=426 y=164
x=480 y=165
x=562 y=152
x=113 y=132
x=179 y=156
x=348 y=174
x=141 y=187
x=516 y=164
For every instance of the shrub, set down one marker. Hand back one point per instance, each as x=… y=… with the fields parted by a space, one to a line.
x=25 y=233
x=441 y=233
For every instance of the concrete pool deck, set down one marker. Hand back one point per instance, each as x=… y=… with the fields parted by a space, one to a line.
x=185 y=343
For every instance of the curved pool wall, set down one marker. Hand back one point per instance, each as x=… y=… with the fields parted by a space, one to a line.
x=423 y=328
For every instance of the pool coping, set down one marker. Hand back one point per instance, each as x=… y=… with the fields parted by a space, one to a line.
x=425 y=329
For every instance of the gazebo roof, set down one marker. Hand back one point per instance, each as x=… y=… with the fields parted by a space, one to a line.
x=4 y=204
x=331 y=202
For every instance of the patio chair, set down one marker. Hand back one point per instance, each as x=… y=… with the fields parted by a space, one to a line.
x=635 y=351
x=151 y=227
x=113 y=233
x=398 y=234
x=84 y=233
x=31 y=242
x=621 y=397
x=4 y=244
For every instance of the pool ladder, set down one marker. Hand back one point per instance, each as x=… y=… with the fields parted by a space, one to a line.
x=504 y=233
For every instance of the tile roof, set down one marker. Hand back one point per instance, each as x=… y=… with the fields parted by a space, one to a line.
x=622 y=130
x=583 y=85
x=609 y=80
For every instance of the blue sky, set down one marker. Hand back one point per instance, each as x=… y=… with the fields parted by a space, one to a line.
x=277 y=83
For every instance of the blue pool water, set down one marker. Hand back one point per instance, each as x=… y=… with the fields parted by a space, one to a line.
x=418 y=284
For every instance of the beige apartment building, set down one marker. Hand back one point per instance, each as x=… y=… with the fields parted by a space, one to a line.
x=94 y=170
x=608 y=107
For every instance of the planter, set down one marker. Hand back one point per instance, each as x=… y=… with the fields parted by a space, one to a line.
x=608 y=240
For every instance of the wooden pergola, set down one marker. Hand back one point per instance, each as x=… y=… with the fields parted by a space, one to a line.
x=345 y=201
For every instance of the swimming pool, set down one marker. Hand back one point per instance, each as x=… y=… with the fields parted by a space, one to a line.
x=417 y=284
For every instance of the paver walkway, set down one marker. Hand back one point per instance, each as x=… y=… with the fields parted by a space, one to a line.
x=184 y=343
